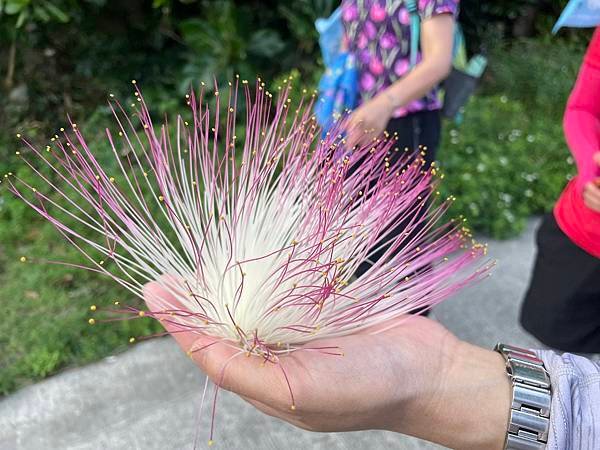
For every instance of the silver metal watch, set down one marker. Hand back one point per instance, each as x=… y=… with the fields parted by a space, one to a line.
x=531 y=399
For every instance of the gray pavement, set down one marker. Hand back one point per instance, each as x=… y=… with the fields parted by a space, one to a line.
x=149 y=396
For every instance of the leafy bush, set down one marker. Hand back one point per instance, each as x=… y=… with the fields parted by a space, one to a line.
x=503 y=165
x=509 y=159
x=224 y=43
x=486 y=24
x=539 y=73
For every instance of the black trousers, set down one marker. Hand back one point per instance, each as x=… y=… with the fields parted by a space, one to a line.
x=417 y=131
x=562 y=304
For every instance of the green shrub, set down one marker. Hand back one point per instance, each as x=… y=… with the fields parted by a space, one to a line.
x=503 y=165
x=539 y=73
x=509 y=159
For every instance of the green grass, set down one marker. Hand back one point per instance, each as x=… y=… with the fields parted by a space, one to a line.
x=46 y=307
x=46 y=310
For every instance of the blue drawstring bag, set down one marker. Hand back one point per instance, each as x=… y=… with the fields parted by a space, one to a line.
x=338 y=87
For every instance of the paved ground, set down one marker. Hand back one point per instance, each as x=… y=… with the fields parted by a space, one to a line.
x=148 y=397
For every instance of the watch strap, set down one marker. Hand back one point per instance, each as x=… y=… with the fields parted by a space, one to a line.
x=529 y=422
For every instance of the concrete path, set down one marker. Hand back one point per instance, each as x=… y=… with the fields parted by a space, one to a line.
x=148 y=397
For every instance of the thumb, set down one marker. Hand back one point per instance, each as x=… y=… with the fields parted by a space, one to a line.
x=597 y=158
x=164 y=305
x=245 y=376
x=210 y=354
x=248 y=377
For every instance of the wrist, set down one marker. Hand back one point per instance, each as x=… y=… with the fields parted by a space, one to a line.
x=481 y=391
x=471 y=405
x=389 y=100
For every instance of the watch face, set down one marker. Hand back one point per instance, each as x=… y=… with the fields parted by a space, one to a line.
x=529 y=373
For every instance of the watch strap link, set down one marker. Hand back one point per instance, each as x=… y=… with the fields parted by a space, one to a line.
x=529 y=422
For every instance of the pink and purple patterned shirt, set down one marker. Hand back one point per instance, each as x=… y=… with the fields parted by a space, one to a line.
x=378 y=34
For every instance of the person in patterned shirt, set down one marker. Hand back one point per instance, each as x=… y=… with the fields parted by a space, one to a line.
x=394 y=97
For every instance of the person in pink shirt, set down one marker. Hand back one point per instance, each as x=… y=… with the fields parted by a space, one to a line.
x=562 y=305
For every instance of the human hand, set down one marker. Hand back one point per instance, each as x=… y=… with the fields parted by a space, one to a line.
x=591 y=191
x=414 y=378
x=368 y=121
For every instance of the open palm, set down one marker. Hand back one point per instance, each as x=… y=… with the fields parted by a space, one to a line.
x=376 y=383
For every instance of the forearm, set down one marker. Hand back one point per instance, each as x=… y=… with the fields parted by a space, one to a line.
x=472 y=409
x=418 y=82
x=436 y=50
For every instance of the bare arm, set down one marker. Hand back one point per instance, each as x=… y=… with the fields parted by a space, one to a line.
x=437 y=37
